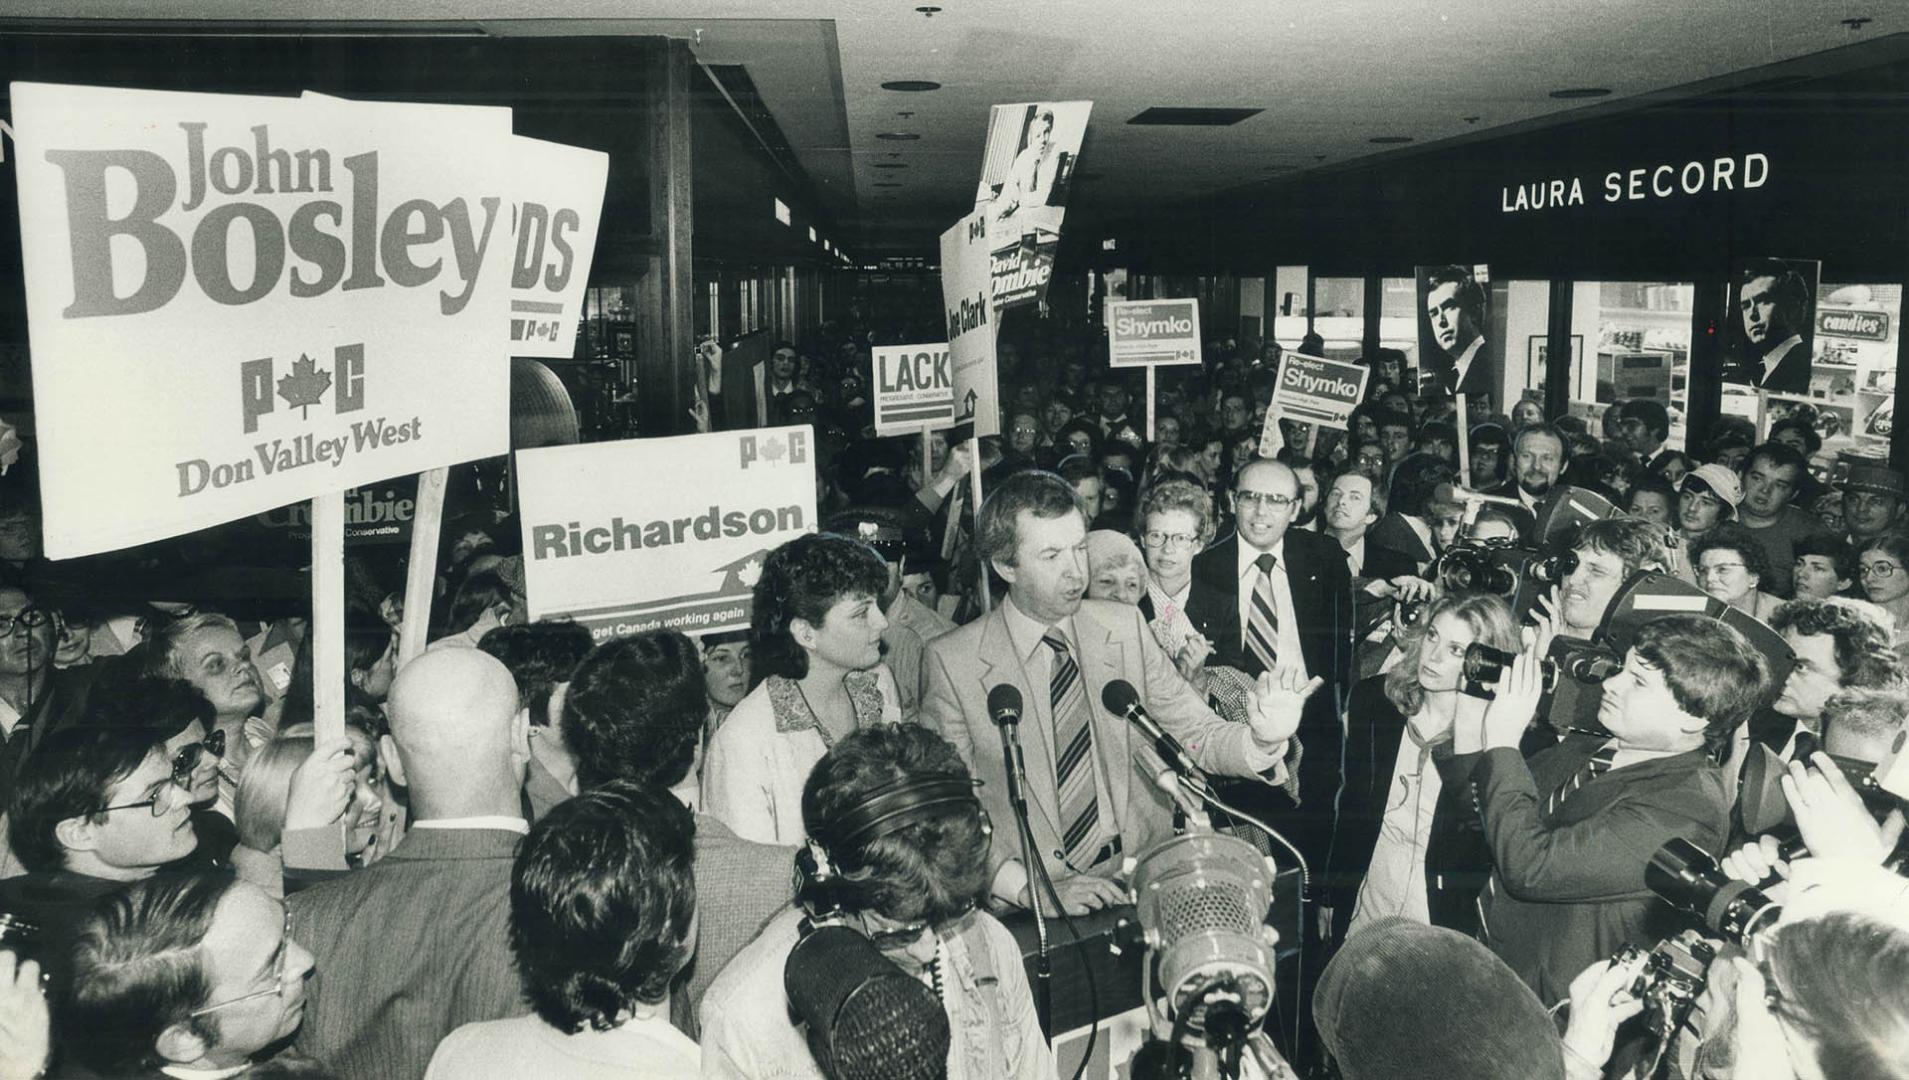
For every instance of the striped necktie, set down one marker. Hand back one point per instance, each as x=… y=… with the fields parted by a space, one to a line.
x=1074 y=755
x=1599 y=764
x=1262 y=618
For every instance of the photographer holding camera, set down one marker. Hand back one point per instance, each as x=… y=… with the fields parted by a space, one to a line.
x=1609 y=551
x=1572 y=831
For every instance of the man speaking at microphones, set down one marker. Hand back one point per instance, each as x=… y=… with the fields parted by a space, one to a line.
x=1089 y=777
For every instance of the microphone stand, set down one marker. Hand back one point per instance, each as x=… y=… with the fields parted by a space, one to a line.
x=1017 y=795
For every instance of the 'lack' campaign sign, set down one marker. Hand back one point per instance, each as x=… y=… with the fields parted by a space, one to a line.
x=621 y=555
x=235 y=303
x=914 y=386
x=1147 y=333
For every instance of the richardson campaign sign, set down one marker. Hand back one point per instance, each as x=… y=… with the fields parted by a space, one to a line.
x=1145 y=333
x=914 y=388
x=622 y=558
x=235 y=303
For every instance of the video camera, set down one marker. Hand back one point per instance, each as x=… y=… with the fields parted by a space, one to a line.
x=1883 y=786
x=1575 y=669
x=1502 y=568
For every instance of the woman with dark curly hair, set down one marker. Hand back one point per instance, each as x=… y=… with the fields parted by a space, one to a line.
x=1730 y=564
x=816 y=645
x=910 y=881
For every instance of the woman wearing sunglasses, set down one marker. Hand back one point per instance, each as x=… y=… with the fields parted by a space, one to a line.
x=909 y=883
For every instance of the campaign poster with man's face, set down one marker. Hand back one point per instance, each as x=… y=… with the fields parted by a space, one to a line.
x=1456 y=353
x=1026 y=175
x=1772 y=324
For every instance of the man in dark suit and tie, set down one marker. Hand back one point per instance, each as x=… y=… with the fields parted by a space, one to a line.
x=417 y=944
x=1774 y=302
x=1270 y=597
x=1537 y=460
x=1091 y=788
x=1572 y=830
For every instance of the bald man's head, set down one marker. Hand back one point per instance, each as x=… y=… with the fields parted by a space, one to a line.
x=459 y=737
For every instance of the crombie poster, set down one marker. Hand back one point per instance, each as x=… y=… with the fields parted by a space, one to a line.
x=622 y=558
x=1772 y=324
x=1456 y=355
x=235 y=303
x=1026 y=175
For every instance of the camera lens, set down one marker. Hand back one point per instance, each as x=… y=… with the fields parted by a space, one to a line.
x=1555 y=568
x=1485 y=665
x=1687 y=878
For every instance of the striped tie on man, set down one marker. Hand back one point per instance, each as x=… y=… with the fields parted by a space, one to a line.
x=1599 y=764
x=1262 y=618
x=1073 y=755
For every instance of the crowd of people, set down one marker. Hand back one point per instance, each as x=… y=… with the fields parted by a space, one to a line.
x=533 y=853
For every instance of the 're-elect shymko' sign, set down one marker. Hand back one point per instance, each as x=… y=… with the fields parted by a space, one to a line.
x=1144 y=333
x=914 y=388
x=236 y=303
x=1315 y=390
x=622 y=556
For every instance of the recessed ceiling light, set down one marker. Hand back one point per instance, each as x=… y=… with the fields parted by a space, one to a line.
x=1857 y=23
x=891 y=165
x=1177 y=116
x=898 y=136
x=913 y=86
x=928 y=11
x=1390 y=140
x=886 y=183
x=1578 y=93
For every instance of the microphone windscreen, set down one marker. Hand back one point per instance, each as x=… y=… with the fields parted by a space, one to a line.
x=1004 y=698
x=866 y=1018
x=1118 y=695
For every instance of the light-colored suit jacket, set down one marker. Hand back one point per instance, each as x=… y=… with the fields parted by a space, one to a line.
x=1113 y=643
x=408 y=950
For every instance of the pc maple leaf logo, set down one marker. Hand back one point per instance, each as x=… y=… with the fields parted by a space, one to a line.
x=748 y=572
x=773 y=449
x=304 y=386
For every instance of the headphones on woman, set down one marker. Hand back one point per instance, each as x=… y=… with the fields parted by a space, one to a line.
x=888 y=809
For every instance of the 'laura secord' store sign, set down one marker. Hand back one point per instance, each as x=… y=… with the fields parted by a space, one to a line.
x=1645 y=182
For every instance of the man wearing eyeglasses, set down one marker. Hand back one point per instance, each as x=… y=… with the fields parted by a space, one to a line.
x=1276 y=599
x=35 y=697
x=94 y=808
x=184 y=975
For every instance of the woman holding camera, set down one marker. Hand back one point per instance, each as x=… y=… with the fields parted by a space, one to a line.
x=1398 y=723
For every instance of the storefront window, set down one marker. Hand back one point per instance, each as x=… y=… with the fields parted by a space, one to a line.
x=1525 y=308
x=1339 y=316
x=1291 y=318
x=1398 y=318
x=1853 y=376
x=1631 y=339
